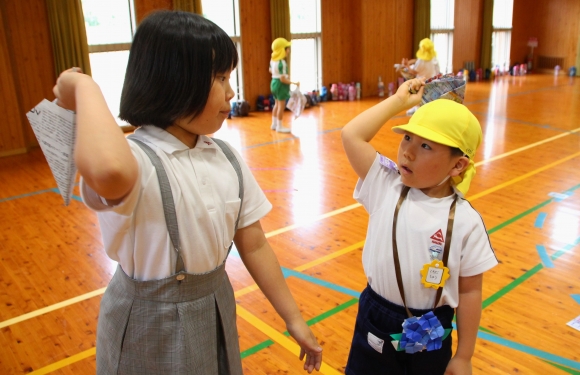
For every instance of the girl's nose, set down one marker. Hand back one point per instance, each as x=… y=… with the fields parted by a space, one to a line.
x=229 y=92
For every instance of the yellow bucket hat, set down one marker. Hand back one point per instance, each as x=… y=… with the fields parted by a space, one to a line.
x=452 y=124
x=279 y=48
x=426 y=50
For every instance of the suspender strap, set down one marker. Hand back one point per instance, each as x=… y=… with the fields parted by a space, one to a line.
x=167 y=196
x=234 y=162
x=167 y=200
x=450 y=220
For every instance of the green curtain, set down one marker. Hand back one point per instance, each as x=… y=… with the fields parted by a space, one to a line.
x=421 y=24
x=280 y=19
x=193 y=6
x=486 y=31
x=68 y=34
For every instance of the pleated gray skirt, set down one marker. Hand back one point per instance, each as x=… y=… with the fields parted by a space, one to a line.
x=183 y=324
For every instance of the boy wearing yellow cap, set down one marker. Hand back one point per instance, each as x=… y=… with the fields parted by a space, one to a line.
x=280 y=84
x=426 y=247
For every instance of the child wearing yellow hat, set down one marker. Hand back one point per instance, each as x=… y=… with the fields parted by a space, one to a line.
x=426 y=64
x=426 y=247
x=281 y=82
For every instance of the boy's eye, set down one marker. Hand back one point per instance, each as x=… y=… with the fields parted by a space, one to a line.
x=426 y=146
x=407 y=137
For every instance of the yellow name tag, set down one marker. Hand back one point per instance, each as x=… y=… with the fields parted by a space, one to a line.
x=434 y=274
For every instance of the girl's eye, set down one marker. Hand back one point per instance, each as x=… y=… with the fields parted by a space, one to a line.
x=407 y=137
x=426 y=146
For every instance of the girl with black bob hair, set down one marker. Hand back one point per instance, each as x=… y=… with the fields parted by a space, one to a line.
x=169 y=203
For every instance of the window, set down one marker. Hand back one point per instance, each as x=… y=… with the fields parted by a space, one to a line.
x=502 y=34
x=305 y=59
x=442 y=15
x=226 y=14
x=110 y=26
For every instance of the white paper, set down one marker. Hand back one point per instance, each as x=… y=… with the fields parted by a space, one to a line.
x=575 y=323
x=55 y=130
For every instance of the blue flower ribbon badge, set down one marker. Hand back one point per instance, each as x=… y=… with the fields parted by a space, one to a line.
x=424 y=333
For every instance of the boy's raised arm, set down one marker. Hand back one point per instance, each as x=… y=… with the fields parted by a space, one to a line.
x=357 y=134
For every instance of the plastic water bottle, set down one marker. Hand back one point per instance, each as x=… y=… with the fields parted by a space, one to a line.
x=358 y=91
x=351 y=92
x=381 y=88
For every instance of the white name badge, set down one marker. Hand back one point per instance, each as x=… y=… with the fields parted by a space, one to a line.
x=434 y=274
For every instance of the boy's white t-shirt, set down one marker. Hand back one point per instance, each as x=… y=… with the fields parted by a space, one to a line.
x=421 y=227
x=205 y=192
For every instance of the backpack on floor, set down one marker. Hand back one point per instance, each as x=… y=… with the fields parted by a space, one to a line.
x=240 y=108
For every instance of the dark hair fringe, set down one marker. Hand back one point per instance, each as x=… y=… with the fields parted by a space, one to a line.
x=173 y=61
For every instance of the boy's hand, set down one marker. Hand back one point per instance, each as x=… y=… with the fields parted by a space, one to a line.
x=458 y=366
x=410 y=92
x=65 y=87
x=308 y=345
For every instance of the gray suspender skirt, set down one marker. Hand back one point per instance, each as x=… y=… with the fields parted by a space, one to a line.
x=183 y=324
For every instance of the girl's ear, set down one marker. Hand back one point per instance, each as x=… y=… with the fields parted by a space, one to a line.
x=459 y=166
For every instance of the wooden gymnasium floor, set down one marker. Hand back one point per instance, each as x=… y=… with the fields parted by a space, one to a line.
x=53 y=268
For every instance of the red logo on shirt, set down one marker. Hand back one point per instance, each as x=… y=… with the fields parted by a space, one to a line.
x=438 y=237
x=207 y=143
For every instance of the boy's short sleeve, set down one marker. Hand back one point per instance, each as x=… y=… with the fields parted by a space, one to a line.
x=477 y=255
x=380 y=179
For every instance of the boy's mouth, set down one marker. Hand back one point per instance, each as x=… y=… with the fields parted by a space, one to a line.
x=406 y=169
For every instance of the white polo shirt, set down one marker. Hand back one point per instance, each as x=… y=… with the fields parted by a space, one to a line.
x=421 y=229
x=205 y=191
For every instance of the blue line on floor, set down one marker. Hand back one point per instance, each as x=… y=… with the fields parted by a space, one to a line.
x=576 y=297
x=544 y=256
x=529 y=350
x=53 y=190
x=288 y=272
x=540 y=220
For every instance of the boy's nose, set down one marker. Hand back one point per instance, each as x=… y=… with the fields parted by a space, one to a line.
x=408 y=154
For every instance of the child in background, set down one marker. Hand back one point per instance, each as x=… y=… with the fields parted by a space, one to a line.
x=413 y=267
x=169 y=203
x=281 y=82
x=425 y=66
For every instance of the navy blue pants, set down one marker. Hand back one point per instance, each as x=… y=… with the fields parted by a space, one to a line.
x=381 y=318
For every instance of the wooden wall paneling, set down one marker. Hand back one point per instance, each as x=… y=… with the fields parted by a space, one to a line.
x=387 y=33
x=341 y=51
x=11 y=131
x=555 y=23
x=256 y=48
x=144 y=7
x=28 y=40
x=467 y=32
x=31 y=50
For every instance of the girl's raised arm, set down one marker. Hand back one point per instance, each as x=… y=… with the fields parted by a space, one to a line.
x=357 y=134
x=102 y=154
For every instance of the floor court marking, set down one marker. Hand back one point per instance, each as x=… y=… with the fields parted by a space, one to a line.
x=65 y=362
x=278 y=337
x=294 y=226
x=246 y=290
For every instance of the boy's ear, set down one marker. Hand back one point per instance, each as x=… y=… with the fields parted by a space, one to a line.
x=459 y=166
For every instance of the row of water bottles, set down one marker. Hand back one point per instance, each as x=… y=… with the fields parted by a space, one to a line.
x=345 y=91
